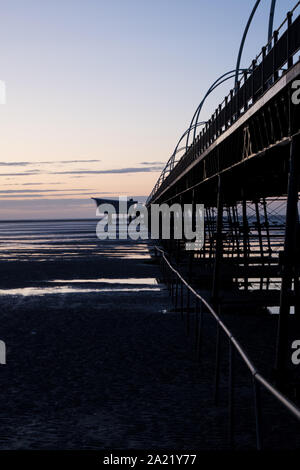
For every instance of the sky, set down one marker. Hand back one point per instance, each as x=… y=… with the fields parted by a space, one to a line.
x=98 y=92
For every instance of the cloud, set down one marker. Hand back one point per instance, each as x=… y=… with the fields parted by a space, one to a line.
x=87 y=193
x=39 y=196
x=15 y=163
x=27 y=173
x=16 y=191
x=26 y=196
x=28 y=184
x=152 y=163
x=52 y=162
x=23 y=184
x=77 y=161
x=111 y=171
x=67 y=193
x=46 y=201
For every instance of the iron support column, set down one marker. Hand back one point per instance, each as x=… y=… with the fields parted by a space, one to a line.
x=219 y=244
x=288 y=262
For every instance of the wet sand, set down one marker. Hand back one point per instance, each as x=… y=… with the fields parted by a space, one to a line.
x=109 y=368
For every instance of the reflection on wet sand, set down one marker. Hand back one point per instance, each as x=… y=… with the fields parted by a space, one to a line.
x=27 y=291
x=54 y=240
x=51 y=239
x=142 y=280
x=44 y=247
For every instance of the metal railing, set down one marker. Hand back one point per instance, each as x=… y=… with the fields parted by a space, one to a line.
x=183 y=301
x=263 y=72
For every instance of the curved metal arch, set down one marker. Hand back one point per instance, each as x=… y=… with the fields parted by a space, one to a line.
x=171 y=161
x=237 y=69
x=271 y=21
x=243 y=40
x=216 y=83
x=196 y=115
x=211 y=90
x=194 y=126
x=270 y=32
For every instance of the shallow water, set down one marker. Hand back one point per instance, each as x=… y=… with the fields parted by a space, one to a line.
x=141 y=280
x=66 y=257
x=51 y=240
x=27 y=291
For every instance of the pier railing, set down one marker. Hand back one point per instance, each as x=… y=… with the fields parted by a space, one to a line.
x=185 y=297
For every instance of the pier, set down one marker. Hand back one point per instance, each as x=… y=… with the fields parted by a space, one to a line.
x=243 y=165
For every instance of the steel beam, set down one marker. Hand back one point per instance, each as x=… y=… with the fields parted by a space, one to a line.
x=289 y=263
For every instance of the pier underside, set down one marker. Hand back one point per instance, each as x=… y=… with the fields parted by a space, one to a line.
x=244 y=168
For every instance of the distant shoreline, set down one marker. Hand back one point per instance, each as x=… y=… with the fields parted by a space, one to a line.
x=47 y=220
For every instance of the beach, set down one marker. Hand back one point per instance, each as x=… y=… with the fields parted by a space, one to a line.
x=101 y=369
x=96 y=356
